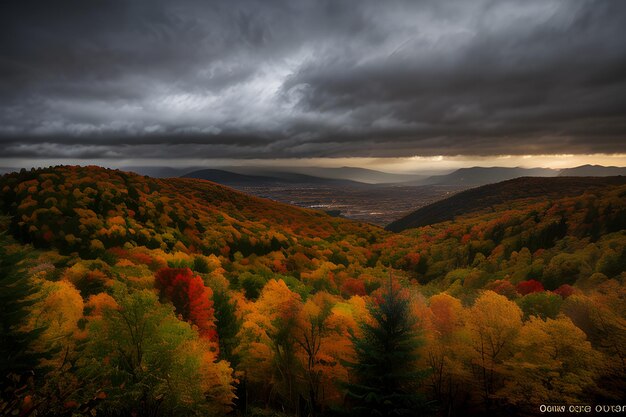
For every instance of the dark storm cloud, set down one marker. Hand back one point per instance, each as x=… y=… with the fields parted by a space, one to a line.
x=119 y=78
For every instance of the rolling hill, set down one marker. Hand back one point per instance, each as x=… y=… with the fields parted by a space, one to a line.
x=269 y=179
x=159 y=171
x=83 y=208
x=467 y=177
x=592 y=171
x=364 y=175
x=476 y=176
x=488 y=196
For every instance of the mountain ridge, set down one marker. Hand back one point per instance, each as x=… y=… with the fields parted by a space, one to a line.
x=476 y=176
x=592 y=171
x=483 y=197
x=234 y=179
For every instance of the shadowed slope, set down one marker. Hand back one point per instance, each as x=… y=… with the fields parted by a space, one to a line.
x=493 y=194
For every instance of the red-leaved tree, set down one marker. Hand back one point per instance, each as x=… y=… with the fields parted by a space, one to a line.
x=353 y=286
x=565 y=290
x=530 y=286
x=190 y=297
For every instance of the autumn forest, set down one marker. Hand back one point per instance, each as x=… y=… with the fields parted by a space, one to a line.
x=126 y=295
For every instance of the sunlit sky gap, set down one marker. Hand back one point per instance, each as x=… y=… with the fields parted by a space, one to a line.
x=398 y=86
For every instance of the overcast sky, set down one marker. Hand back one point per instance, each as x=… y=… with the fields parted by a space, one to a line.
x=188 y=80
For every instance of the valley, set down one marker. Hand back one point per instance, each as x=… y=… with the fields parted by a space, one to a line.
x=367 y=195
x=376 y=204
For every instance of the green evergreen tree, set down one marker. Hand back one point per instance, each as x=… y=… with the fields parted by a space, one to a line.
x=20 y=368
x=228 y=325
x=15 y=299
x=386 y=377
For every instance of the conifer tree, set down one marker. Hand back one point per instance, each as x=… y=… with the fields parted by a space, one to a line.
x=15 y=299
x=19 y=363
x=228 y=325
x=386 y=377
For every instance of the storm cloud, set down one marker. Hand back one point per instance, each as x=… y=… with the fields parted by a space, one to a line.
x=290 y=79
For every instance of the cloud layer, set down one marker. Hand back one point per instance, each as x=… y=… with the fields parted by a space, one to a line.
x=288 y=78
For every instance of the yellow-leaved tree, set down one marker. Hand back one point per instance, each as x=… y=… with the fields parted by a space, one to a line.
x=493 y=323
x=449 y=352
x=553 y=363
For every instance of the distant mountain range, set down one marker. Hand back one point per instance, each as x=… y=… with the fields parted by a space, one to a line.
x=291 y=174
x=237 y=176
x=477 y=176
x=364 y=175
x=159 y=171
x=488 y=196
x=480 y=175
x=469 y=177
x=236 y=180
x=592 y=171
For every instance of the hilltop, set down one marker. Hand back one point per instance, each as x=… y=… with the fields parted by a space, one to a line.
x=492 y=195
x=361 y=175
x=477 y=176
x=563 y=229
x=485 y=175
x=91 y=209
x=592 y=171
x=267 y=179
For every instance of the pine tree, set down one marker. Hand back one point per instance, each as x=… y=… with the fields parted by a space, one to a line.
x=228 y=325
x=18 y=362
x=386 y=376
x=15 y=300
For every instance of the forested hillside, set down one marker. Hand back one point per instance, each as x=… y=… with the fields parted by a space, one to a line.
x=499 y=195
x=128 y=295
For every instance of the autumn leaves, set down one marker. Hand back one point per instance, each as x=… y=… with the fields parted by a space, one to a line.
x=178 y=297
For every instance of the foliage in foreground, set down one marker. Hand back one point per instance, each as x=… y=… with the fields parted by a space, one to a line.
x=125 y=295
x=385 y=376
